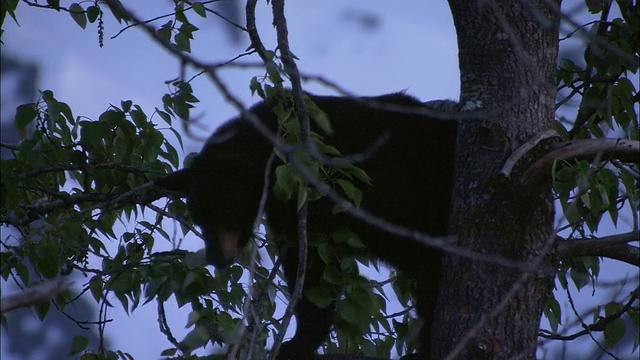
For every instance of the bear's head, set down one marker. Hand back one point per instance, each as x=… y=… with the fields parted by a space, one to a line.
x=223 y=187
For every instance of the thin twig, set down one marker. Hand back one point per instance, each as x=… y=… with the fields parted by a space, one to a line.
x=599 y=325
x=280 y=23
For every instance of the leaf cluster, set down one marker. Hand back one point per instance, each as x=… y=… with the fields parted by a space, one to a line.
x=599 y=91
x=602 y=86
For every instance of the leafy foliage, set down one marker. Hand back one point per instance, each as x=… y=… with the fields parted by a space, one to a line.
x=607 y=100
x=601 y=86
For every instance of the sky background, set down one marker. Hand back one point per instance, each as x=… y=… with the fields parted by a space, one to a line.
x=369 y=48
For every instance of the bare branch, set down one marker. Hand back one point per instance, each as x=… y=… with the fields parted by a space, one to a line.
x=607 y=149
x=256 y=43
x=280 y=23
x=599 y=325
x=9 y=146
x=613 y=247
x=164 y=326
x=248 y=304
x=178 y=218
x=146 y=22
x=216 y=13
x=33 y=295
x=57 y=8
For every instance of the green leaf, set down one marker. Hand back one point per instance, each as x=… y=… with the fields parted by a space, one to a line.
x=614 y=332
x=319 y=117
x=351 y=191
x=349 y=266
x=126 y=105
x=23 y=272
x=164 y=116
x=169 y=352
x=319 y=296
x=179 y=14
x=196 y=338
x=77 y=13
x=42 y=309
x=164 y=32
x=78 y=344
x=579 y=276
x=171 y=155
x=120 y=149
x=611 y=308
x=553 y=312
x=235 y=273
x=332 y=275
x=95 y=286
x=9 y=7
x=139 y=118
x=326 y=149
x=345 y=235
x=54 y=4
x=124 y=301
x=286 y=180
x=181 y=107
x=25 y=114
x=183 y=42
x=188 y=29
x=199 y=9
x=65 y=110
x=359 y=174
x=256 y=88
x=325 y=252
x=350 y=312
x=630 y=182
x=92 y=13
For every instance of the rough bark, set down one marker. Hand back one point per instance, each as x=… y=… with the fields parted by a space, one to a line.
x=507 y=54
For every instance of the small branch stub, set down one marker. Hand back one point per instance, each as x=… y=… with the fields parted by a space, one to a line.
x=605 y=149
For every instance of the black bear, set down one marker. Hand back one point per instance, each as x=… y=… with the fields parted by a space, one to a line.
x=411 y=172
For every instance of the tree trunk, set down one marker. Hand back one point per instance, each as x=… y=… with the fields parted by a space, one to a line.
x=507 y=54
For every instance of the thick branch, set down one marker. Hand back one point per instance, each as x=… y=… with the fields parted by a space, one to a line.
x=605 y=149
x=34 y=295
x=613 y=247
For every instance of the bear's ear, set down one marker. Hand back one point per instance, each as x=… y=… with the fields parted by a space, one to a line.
x=177 y=181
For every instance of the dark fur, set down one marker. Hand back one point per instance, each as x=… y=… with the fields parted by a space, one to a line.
x=411 y=186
